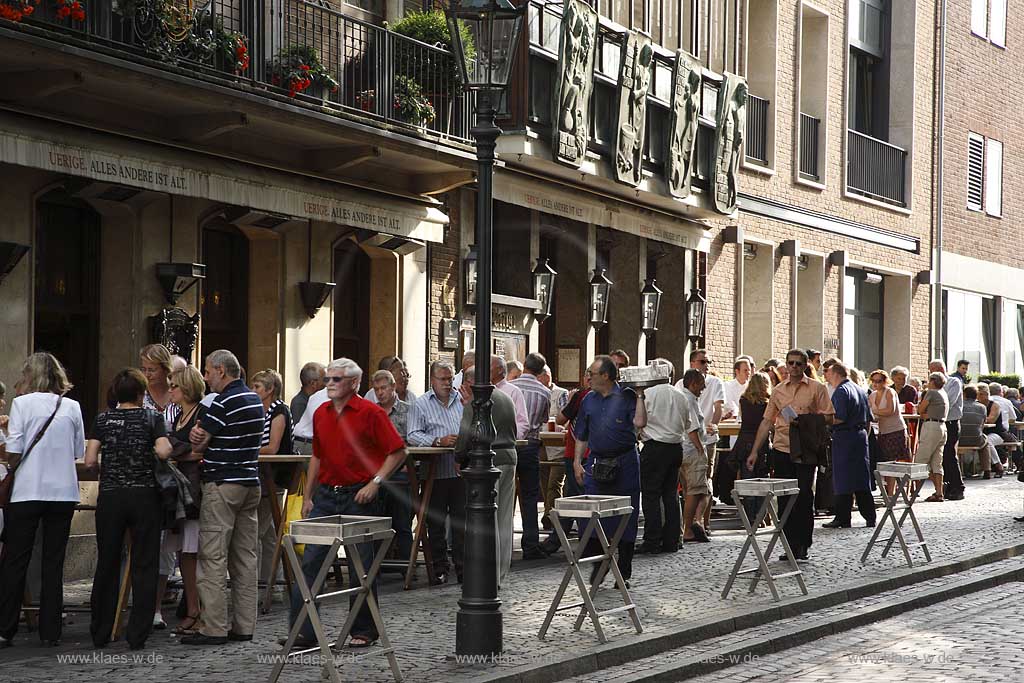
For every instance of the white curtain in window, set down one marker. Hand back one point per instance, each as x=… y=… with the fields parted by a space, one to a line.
x=979 y=17
x=964 y=325
x=997 y=22
x=993 y=177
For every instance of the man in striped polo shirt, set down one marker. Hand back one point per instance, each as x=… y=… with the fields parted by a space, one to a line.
x=538 y=405
x=228 y=436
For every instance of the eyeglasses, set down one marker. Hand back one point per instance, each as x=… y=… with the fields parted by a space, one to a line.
x=331 y=378
x=795 y=363
x=704 y=361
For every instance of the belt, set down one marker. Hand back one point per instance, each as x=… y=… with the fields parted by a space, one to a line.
x=302 y=439
x=932 y=419
x=343 y=488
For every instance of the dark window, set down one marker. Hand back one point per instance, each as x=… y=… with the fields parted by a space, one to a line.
x=225 y=291
x=352 y=305
x=512 y=266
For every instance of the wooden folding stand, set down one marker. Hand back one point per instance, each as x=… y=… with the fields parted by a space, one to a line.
x=770 y=489
x=594 y=508
x=904 y=473
x=337 y=531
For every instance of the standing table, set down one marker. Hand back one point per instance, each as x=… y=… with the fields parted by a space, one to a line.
x=595 y=508
x=904 y=473
x=337 y=531
x=298 y=465
x=420 y=505
x=771 y=489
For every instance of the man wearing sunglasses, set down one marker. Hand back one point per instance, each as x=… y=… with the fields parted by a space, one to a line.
x=798 y=395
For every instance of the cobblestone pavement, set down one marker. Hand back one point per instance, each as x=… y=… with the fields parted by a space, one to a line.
x=964 y=639
x=672 y=591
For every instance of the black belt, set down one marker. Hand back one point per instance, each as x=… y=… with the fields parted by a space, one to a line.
x=932 y=419
x=346 y=487
x=302 y=439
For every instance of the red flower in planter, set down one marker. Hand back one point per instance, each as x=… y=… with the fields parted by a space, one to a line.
x=70 y=8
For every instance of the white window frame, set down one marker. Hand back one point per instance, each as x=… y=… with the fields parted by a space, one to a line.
x=979 y=18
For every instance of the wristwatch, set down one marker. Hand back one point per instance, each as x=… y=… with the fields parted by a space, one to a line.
x=377 y=480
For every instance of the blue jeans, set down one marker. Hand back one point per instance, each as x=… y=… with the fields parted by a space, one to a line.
x=343 y=502
x=570 y=488
x=626 y=484
x=397 y=503
x=528 y=472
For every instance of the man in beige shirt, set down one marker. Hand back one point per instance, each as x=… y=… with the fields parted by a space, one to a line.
x=798 y=395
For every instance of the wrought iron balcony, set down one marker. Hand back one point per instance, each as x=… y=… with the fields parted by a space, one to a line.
x=810 y=130
x=876 y=169
x=297 y=49
x=757 y=129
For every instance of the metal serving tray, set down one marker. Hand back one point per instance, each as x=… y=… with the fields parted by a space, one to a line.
x=324 y=530
x=916 y=470
x=592 y=503
x=764 y=485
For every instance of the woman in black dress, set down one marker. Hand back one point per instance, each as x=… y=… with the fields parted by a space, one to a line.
x=752 y=406
x=129 y=437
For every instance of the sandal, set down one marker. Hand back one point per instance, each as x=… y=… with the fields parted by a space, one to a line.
x=360 y=642
x=193 y=626
x=934 y=498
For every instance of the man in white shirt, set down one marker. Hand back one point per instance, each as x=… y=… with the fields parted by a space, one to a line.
x=712 y=402
x=304 y=429
x=735 y=387
x=468 y=359
x=693 y=474
x=669 y=423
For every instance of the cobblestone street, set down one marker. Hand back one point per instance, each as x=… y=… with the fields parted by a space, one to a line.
x=673 y=592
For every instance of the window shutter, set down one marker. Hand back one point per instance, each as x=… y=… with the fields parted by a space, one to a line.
x=997 y=23
x=993 y=178
x=975 y=170
x=979 y=18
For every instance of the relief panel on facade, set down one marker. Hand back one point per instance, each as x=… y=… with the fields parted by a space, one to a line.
x=730 y=124
x=634 y=84
x=577 y=48
x=682 y=140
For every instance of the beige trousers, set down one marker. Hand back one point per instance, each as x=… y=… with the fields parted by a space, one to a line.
x=228 y=530
x=506 y=517
x=267 y=535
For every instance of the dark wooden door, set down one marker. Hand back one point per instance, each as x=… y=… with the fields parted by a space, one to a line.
x=225 y=299
x=352 y=306
x=67 y=278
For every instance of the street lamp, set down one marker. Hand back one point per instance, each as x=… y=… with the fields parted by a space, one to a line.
x=696 y=308
x=471 y=275
x=543 y=289
x=651 y=296
x=600 y=288
x=485 y=67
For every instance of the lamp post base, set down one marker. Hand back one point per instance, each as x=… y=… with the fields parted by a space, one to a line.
x=477 y=632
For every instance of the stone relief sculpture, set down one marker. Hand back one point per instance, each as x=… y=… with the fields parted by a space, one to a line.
x=683 y=122
x=731 y=124
x=634 y=84
x=576 y=50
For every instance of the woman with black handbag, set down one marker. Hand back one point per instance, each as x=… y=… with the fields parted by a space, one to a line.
x=130 y=437
x=45 y=437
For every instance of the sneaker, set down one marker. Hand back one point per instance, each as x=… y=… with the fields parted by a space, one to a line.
x=158 y=622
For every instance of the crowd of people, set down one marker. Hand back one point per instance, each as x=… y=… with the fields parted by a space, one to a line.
x=177 y=455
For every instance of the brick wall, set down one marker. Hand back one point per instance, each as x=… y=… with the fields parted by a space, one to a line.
x=445 y=290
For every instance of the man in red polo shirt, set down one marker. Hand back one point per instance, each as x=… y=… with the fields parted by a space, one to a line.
x=355 y=449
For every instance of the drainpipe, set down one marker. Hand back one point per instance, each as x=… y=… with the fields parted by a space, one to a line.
x=938 y=175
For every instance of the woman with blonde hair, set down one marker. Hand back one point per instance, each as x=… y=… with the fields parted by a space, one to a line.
x=187 y=389
x=45 y=437
x=277 y=440
x=155 y=363
x=753 y=402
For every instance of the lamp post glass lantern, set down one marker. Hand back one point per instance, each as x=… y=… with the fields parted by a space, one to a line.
x=696 y=309
x=651 y=296
x=485 y=66
x=544 y=289
x=471 y=275
x=600 y=289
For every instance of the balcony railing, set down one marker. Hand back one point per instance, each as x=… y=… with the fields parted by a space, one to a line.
x=810 y=128
x=353 y=65
x=757 y=129
x=876 y=169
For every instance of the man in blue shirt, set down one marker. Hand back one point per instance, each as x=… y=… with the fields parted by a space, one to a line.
x=851 y=465
x=607 y=424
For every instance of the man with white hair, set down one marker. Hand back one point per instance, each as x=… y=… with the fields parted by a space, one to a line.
x=467 y=362
x=355 y=450
x=953 y=477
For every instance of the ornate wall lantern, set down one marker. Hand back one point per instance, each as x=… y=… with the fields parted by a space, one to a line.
x=600 y=289
x=543 y=289
x=696 y=309
x=177 y=278
x=651 y=299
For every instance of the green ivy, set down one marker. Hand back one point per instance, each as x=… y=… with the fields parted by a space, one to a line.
x=426 y=67
x=1011 y=380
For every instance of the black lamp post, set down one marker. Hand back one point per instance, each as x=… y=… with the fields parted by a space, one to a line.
x=651 y=296
x=600 y=289
x=485 y=67
x=696 y=308
x=543 y=289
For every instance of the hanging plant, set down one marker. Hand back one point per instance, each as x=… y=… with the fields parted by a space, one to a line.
x=410 y=104
x=297 y=68
x=70 y=8
x=16 y=10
